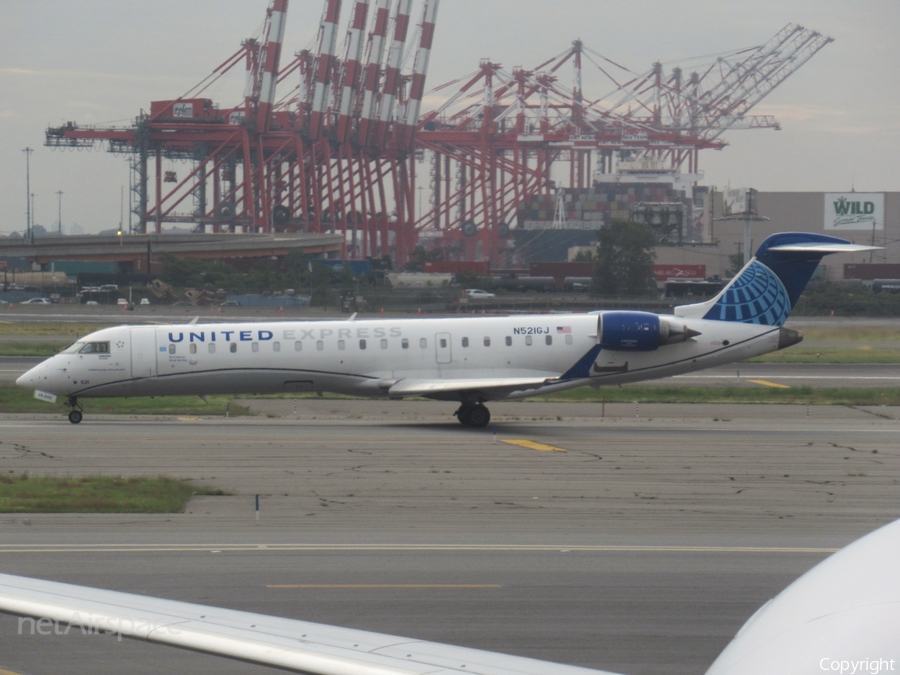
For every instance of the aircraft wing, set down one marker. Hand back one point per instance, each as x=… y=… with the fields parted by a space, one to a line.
x=296 y=646
x=495 y=385
x=499 y=385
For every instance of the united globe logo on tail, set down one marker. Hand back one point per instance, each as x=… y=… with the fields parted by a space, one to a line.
x=756 y=296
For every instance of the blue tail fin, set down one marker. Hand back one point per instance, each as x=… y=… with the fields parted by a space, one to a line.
x=768 y=287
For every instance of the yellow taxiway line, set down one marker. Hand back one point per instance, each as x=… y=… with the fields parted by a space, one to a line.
x=532 y=445
x=766 y=383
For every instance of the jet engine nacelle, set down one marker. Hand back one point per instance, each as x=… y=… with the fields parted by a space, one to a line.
x=639 y=331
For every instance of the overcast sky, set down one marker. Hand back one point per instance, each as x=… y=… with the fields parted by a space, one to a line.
x=102 y=61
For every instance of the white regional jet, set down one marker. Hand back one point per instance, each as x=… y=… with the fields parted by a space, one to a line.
x=470 y=360
x=840 y=617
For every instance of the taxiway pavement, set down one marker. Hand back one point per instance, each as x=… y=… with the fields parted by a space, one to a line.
x=635 y=539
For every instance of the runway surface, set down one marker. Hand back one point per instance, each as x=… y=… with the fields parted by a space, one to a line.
x=638 y=541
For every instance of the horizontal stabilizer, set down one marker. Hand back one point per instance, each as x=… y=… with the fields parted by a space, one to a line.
x=826 y=248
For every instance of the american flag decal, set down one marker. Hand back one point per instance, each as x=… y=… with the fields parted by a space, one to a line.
x=564 y=329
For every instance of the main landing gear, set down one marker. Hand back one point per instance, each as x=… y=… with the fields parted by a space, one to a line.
x=75 y=414
x=473 y=415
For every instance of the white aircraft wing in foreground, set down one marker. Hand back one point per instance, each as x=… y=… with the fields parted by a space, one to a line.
x=843 y=616
x=292 y=645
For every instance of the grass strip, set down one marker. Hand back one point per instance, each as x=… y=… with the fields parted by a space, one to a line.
x=848 y=333
x=24 y=348
x=14 y=399
x=22 y=493
x=64 y=330
x=850 y=396
x=746 y=393
x=850 y=355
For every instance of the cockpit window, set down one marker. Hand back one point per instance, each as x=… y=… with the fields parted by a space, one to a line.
x=95 y=348
x=73 y=348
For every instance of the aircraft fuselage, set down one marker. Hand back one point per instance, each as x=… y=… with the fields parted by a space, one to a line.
x=367 y=357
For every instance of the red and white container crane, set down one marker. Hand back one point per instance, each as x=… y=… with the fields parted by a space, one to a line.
x=368 y=118
x=324 y=66
x=420 y=69
x=275 y=24
x=351 y=77
x=338 y=152
x=391 y=87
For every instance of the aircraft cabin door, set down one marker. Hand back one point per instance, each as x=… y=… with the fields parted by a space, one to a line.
x=143 y=351
x=442 y=347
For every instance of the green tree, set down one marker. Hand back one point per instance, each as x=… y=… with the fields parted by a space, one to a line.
x=181 y=271
x=584 y=256
x=625 y=257
x=473 y=280
x=263 y=277
x=735 y=264
x=419 y=256
x=213 y=274
x=309 y=275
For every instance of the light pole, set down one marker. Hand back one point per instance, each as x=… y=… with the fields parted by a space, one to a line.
x=60 y=193
x=28 y=195
x=121 y=212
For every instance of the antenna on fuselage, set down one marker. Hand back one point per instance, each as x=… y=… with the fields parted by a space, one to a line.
x=352 y=316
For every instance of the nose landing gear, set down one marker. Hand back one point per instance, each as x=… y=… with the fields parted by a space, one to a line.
x=473 y=415
x=75 y=414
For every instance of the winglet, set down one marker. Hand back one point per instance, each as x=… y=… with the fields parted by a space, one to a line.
x=582 y=368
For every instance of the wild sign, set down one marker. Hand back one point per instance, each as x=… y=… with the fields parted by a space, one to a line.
x=854 y=211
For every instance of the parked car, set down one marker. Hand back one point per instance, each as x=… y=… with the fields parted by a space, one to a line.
x=36 y=301
x=145 y=301
x=230 y=303
x=121 y=301
x=476 y=293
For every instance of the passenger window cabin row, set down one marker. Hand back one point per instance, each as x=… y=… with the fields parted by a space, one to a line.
x=363 y=344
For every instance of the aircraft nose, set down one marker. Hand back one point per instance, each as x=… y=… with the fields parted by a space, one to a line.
x=26 y=380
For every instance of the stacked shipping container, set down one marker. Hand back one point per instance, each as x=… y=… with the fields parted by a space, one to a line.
x=591 y=208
